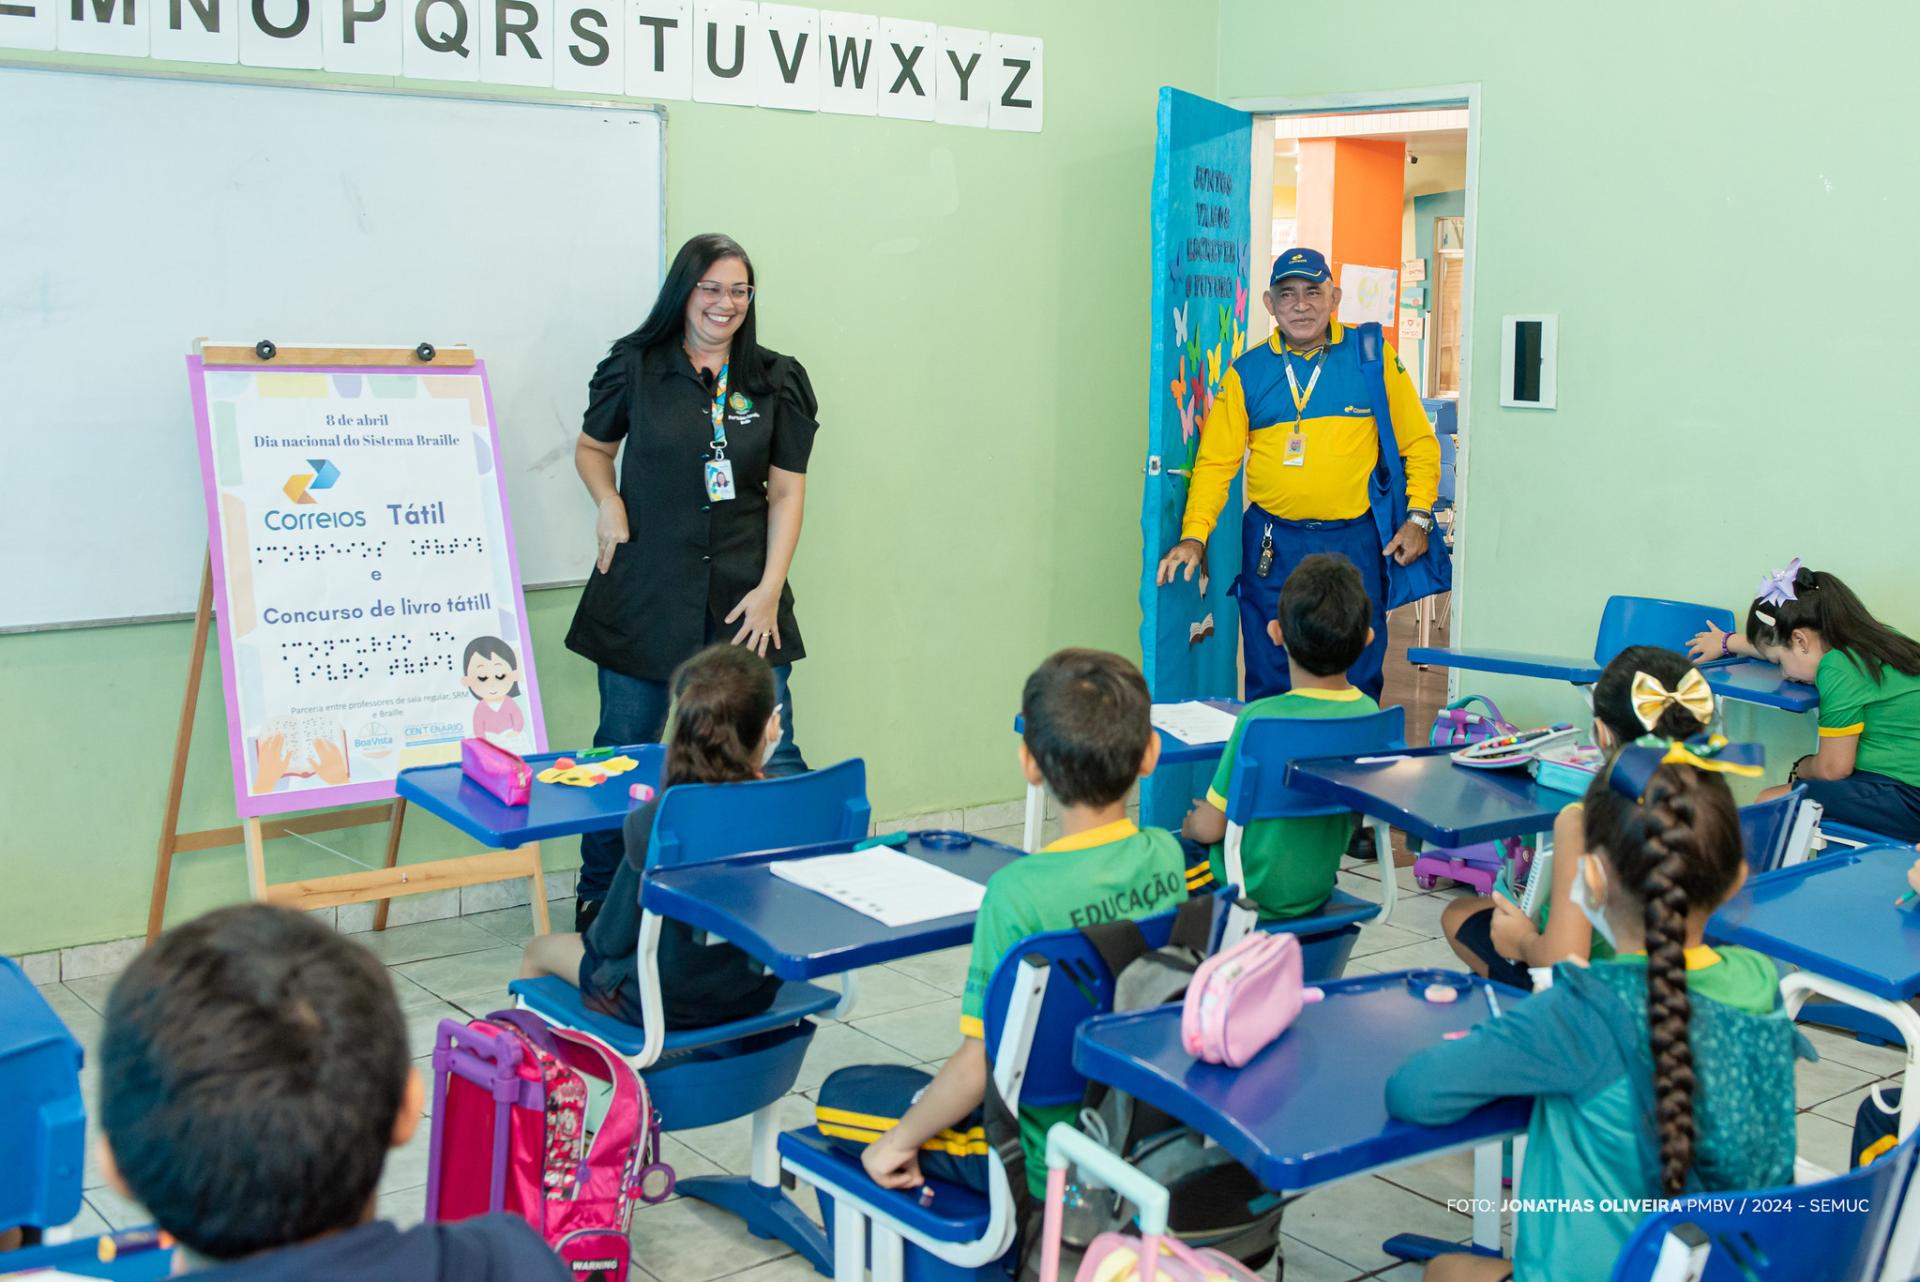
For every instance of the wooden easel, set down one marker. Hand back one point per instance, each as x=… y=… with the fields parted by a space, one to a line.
x=381 y=884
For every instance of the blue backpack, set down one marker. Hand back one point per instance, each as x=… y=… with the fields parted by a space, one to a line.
x=1387 y=491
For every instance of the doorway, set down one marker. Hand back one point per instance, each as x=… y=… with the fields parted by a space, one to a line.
x=1385 y=189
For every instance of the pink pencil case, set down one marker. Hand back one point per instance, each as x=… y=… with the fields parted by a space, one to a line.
x=1243 y=998
x=502 y=773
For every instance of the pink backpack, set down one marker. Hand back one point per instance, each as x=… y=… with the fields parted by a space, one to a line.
x=510 y=1101
x=1242 y=998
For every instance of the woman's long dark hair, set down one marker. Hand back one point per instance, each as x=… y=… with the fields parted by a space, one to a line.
x=1828 y=606
x=722 y=698
x=1676 y=850
x=667 y=322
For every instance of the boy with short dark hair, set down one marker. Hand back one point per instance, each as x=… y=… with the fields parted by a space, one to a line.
x=1087 y=736
x=1323 y=624
x=253 y=1074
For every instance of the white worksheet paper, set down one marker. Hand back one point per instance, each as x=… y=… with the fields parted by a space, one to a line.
x=1194 y=723
x=894 y=889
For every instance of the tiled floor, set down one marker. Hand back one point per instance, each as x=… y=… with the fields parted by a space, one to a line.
x=908 y=1013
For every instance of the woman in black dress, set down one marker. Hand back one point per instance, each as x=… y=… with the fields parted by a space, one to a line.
x=698 y=528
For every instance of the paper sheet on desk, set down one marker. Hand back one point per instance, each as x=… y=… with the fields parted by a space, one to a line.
x=1194 y=723
x=894 y=889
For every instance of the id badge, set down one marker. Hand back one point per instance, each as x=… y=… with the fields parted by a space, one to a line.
x=719 y=480
x=1294 y=452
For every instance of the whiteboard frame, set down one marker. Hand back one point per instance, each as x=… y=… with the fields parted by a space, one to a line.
x=7 y=60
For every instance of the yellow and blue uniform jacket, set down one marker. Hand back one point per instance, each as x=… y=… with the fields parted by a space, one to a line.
x=1254 y=410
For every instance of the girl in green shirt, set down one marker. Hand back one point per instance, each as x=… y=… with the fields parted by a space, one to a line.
x=1866 y=773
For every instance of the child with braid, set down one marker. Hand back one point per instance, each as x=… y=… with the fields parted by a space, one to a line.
x=1665 y=1069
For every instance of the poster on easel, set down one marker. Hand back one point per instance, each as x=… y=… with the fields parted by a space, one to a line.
x=366 y=584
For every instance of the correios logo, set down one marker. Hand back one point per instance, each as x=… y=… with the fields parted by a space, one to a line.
x=322 y=477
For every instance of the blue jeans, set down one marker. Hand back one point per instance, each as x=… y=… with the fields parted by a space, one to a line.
x=633 y=710
x=1293 y=542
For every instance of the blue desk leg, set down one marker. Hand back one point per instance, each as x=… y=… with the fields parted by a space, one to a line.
x=760 y=1202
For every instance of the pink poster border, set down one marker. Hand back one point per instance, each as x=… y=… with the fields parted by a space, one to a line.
x=245 y=803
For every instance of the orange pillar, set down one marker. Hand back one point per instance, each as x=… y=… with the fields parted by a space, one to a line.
x=1351 y=194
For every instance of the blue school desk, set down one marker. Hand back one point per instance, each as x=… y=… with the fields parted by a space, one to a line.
x=1311 y=1109
x=81 y=1258
x=798 y=934
x=1421 y=792
x=1173 y=752
x=554 y=810
x=1834 y=917
x=1752 y=681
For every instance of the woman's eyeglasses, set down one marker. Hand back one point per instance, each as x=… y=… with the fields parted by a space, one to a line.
x=713 y=291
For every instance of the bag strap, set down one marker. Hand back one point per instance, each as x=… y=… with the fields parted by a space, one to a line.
x=1389 y=475
x=1192 y=927
x=1493 y=709
x=1003 y=1137
x=530 y=1026
x=1119 y=943
x=586 y=1053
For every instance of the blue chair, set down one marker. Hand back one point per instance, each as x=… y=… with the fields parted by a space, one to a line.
x=703 y=1076
x=1040 y=994
x=1779 y=833
x=1257 y=790
x=41 y=1113
x=1626 y=621
x=1861 y=1226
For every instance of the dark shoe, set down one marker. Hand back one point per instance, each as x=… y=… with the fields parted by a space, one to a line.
x=584 y=911
x=1361 y=845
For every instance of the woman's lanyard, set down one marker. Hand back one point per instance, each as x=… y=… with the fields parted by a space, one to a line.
x=719 y=469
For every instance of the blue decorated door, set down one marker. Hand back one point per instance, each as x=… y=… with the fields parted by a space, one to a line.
x=1190 y=632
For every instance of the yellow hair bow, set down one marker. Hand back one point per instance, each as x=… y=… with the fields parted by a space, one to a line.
x=1651 y=697
x=1715 y=756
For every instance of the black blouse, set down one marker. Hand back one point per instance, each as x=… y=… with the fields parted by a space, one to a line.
x=687 y=561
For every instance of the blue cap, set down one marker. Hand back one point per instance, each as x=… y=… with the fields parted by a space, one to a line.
x=1307 y=264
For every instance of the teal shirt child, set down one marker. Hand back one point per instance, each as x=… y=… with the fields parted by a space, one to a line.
x=1289 y=864
x=1581 y=1049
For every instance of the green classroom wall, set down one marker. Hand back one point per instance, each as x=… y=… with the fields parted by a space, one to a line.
x=1703 y=193
x=972 y=308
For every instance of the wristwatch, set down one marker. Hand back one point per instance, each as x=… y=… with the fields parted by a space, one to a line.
x=1422 y=518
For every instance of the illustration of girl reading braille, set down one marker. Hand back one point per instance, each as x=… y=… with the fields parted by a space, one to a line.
x=492 y=676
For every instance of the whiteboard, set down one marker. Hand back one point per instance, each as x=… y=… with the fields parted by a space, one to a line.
x=137 y=214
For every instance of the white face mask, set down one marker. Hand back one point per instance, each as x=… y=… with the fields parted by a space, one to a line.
x=1594 y=911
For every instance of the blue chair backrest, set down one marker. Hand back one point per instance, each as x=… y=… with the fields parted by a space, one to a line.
x=1078 y=988
x=1447 y=472
x=1765 y=828
x=1844 y=1239
x=1257 y=789
x=1644 y=620
x=700 y=822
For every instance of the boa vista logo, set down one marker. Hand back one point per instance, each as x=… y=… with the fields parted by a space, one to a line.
x=322 y=477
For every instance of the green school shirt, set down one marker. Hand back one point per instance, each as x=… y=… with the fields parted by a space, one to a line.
x=1884 y=713
x=1101 y=875
x=1289 y=864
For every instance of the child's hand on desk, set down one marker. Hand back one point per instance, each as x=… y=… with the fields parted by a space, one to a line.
x=1512 y=930
x=1913 y=876
x=890 y=1166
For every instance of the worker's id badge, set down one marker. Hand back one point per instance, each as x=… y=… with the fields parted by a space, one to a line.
x=1294 y=452
x=719 y=480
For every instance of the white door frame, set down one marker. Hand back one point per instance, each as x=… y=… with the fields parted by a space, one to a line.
x=1467 y=95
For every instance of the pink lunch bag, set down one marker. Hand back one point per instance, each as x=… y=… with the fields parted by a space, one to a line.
x=1242 y=998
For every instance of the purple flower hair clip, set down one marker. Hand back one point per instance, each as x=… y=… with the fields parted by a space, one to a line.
x=1777 y=588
